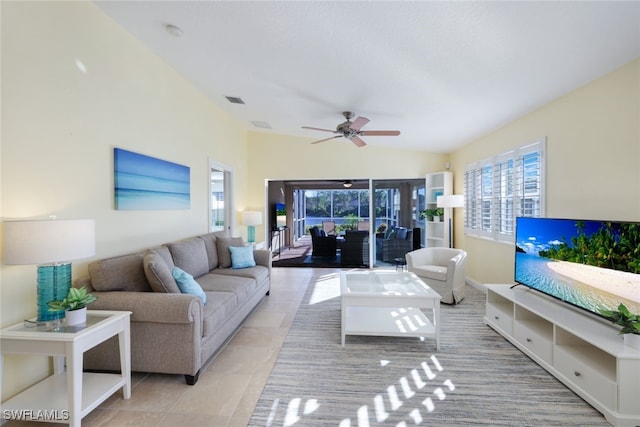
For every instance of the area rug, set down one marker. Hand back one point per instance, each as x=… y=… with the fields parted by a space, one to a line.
x=306 y=260
x=476 y=378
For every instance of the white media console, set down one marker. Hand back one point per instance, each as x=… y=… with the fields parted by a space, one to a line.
x=583 y=352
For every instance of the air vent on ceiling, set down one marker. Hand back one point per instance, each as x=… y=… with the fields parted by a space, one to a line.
x=234 y=100
x=261 y=124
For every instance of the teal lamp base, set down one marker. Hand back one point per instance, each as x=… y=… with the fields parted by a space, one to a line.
x=54 y=282
x=251 y=233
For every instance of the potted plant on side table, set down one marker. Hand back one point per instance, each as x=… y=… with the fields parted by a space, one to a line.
x=74 y=305
x=630 y=324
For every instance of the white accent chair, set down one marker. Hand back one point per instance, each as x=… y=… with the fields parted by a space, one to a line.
x=442 y=269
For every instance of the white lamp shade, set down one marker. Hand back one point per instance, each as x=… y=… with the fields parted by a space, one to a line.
x=47 y=241
x=251 y=218
x=452 y=201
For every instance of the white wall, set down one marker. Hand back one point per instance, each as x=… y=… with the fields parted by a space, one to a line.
x=60 y=124
x=592 y=161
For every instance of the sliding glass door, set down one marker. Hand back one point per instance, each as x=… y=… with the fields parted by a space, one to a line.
x=397 y=205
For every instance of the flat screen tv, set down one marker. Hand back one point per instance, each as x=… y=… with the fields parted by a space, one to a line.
x=593 y=265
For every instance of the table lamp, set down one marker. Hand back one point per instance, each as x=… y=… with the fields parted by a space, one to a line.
x=251 y=219
x=450 y=202
x=51 y=244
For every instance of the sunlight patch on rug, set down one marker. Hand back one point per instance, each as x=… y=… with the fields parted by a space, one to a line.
x=325 y=288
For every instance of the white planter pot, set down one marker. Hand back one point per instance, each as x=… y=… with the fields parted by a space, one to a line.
x=436 y=219
x=632 y=340
x=76 y=317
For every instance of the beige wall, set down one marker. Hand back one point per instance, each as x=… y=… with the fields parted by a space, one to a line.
x=59 y=128
x=592 y=162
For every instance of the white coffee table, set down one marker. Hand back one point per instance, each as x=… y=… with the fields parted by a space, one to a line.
x=388 y=303
x=68 y=396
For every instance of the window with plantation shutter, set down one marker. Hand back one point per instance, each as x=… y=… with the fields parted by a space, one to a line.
x=499 y=189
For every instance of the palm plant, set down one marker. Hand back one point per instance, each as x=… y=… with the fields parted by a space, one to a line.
x=630 y=322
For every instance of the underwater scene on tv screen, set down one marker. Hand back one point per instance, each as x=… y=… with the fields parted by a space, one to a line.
x=594 y=265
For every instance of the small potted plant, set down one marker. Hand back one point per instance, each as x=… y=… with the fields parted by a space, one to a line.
x=75 y=305
x=438 y=213
x=382 y=228
x=630 y=324
x=432 y=214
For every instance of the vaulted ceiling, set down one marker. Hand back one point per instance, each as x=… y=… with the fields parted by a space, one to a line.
x=441 y=72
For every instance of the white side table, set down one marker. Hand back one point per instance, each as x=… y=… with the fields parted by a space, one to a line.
x=67 y=397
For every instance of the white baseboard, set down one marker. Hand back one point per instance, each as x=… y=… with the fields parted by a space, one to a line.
x=475 y=284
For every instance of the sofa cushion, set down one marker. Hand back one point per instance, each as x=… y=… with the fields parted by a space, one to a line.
x=259 y=273
x=212 y=249
x=187 y=284
x=393 y=233
x=242 y=257
x=121 y=273
x=163 y=251
x=402 y=234
x=217 y=312
x=223 y=244
x=190 y=255
x=388 y=232
x=158 y=274
x=434 y=272
x=241 y=287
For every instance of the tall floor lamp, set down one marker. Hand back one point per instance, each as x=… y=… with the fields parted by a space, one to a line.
x=450 y=202
x=251 y=219
x=51 y=244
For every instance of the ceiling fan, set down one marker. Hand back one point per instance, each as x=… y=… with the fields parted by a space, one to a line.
x=352 y=130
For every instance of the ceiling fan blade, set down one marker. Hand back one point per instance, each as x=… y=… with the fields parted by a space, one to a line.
x=380 y=132
x=358 y=123
x=358 y=141
x=326 y=139
x=324 y=130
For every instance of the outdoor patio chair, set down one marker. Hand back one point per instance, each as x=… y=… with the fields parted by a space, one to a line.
x=329 y=227
x=322 y=245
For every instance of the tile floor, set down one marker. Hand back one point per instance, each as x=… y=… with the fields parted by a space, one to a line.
x=229 y=386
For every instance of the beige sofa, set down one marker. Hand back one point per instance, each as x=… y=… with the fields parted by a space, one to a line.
x=174 y=332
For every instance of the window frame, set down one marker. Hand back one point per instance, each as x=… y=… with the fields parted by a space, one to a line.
x=503 y=181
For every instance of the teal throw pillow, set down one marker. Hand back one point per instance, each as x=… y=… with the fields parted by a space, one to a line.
x=187 y=284
x=242 y=256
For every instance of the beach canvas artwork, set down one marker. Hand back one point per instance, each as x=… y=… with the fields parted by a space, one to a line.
x=147 y=183
x=594 y=265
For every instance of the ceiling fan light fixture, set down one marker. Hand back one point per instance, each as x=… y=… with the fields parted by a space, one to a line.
x=352 y=130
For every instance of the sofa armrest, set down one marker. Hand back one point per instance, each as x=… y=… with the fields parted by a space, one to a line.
x=262 y=257
x=152 y=306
